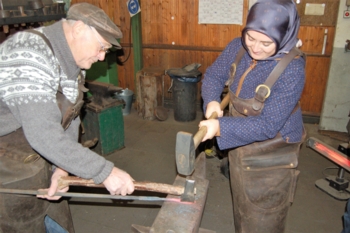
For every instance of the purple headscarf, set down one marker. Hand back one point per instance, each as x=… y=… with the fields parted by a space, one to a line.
x=277 y=19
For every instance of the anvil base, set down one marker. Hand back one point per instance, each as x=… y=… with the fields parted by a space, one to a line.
x=182 y=216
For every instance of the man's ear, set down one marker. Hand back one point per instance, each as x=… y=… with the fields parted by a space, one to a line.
x=78 y=29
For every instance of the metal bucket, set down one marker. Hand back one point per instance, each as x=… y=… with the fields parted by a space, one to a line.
x=126 y=95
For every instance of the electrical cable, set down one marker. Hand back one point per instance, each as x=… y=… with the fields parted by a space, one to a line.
x=328 y=168
x=127 y=58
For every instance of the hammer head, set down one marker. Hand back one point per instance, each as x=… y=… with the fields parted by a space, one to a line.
x=185 y=153
x=189 y=191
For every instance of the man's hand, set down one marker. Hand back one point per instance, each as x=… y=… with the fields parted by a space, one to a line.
x=213 y=106
x=119 y=182
x=54 y=185
x=213 y=128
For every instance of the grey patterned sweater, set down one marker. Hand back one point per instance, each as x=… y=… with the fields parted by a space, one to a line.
x=29 y=78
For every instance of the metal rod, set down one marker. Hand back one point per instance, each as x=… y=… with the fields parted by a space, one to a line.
x=88 y=195
x=340 y=177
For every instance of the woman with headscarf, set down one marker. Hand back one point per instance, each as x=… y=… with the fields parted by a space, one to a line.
x=265 y=75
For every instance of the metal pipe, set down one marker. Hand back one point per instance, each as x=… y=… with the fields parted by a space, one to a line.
x=340 y=177
x=88 y=195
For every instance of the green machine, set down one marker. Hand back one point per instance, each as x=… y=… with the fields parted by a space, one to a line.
x=104 y=71
x=102 y=116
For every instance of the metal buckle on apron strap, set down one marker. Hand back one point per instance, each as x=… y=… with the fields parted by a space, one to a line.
x=262 y=92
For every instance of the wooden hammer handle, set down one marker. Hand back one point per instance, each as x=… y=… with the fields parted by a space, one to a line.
x=66 y=181
x=198 y=137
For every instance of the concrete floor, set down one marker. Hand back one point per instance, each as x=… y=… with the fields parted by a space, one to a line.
x=149 y=154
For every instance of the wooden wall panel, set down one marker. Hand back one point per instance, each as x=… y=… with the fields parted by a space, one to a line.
x=165 y=22
x=314 y=37
x=317 y=69
x=168 y=21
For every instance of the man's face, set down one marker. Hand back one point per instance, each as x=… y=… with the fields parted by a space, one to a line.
x=90 y=49
x=259 y=45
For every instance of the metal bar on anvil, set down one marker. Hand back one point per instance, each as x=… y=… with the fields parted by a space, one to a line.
x=88 y=195
x=329 y=152
x=183 y=217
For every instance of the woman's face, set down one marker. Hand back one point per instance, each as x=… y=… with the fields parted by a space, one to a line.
x=259 y=45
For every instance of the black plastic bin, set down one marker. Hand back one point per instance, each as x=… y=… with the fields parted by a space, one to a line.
x=184 y=93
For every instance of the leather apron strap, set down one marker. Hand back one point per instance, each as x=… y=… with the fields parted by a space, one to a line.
x=263 y=91
x=253 y=106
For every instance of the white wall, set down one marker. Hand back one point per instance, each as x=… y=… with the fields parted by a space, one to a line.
x=336 y=106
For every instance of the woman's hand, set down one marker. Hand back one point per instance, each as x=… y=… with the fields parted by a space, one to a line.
x=213 y=128
x=213 y=106
x=54 y=185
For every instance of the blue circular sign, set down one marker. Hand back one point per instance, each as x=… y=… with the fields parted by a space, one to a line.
x=133 y=6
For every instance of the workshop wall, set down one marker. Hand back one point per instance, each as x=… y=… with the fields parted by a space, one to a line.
x=172 y=37
x=336 y=106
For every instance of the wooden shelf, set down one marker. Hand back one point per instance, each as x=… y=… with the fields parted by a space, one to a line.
x=30 y=19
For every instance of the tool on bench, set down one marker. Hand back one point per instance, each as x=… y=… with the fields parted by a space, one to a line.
x=187 y=192
x=186 y=144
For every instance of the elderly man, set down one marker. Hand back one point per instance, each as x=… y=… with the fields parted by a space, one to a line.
x=41 y=84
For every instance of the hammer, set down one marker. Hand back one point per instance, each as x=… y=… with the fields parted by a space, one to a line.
x=186 y=144
x=187 y=192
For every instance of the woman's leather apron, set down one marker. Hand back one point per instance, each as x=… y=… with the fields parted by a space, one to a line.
x=22 y=168
x=263 y=174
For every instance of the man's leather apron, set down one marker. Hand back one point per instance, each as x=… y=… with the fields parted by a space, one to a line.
x=263 y=174
x=22 y=168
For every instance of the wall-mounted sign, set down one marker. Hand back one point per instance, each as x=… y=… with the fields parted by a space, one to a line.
x=133 y=7
x=314 y=9
x=220 y=12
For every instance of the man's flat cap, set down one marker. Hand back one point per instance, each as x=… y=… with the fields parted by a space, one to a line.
x=97 y=18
